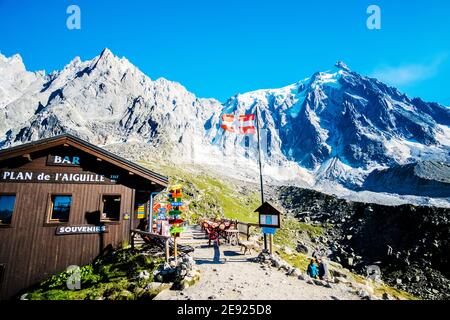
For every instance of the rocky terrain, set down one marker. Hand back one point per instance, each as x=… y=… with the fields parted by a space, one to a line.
x=409 y=243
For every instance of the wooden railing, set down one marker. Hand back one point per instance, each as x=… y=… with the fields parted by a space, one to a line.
x=244 y=228
x=152 y=235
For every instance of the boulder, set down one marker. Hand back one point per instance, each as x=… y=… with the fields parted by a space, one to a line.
x=302 y=248
x=144 y=275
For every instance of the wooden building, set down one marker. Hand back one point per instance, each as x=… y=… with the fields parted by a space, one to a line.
x=62 y=202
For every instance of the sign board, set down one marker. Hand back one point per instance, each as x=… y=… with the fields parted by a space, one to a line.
x=67 y=230
x=162 y=214
x=140 y=212
x=55 y=177
x=268 y=220
x=64 y=160
x=268 y=230
x=269 y=216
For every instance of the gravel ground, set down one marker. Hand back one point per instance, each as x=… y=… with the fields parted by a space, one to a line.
x=226 y=274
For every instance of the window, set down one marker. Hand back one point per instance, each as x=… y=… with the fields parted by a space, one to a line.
x=111 y=207
x=6 y=208
x=60 y=208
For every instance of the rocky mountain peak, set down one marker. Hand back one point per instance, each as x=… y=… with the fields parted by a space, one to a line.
x=341 y=65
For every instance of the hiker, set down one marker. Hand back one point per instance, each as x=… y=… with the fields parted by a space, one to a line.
x=322 y=269
x=312 y=269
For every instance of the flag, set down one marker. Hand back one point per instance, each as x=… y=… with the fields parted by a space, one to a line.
x=227 y=122
x=246 y=124
x=243 y=125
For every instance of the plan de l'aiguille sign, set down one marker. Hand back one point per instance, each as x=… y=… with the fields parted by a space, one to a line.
x=55 y=177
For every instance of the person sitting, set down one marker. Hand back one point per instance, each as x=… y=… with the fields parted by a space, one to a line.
x=312 y=269
x=322 y=269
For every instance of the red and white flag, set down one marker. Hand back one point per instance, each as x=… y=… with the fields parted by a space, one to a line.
x=228 y=122
x=243 y=125
x=247 y=124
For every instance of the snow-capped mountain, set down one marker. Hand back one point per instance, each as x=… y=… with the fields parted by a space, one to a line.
x=105 y=100
x=334 y=127
x=338 y=122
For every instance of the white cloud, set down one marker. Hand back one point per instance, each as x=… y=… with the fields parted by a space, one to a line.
x=409 y=73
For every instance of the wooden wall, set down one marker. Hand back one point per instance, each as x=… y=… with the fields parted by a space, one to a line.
x=29 y=246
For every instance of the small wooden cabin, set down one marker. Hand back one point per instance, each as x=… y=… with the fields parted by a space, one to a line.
x=62 y=202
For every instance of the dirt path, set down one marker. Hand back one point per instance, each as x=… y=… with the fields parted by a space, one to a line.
x=227 y=274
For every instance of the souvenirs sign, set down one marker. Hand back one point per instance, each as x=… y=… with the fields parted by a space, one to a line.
x=66 y=230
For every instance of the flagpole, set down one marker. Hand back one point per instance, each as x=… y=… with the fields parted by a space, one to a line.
x=259 y=156
x=260 y=167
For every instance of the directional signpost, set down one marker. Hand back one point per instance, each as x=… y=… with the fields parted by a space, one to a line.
x=176 y=206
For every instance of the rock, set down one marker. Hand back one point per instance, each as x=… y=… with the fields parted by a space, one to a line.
x=317 y=282
x=363 y=294
x=213 y=297
x=295 y=273
x=398 y=281
x=386 y=296
x=341 y=280
x=144 y=275
x=24 y=296
x=350 y=261
x=301 y=248
x=349 y=237
x=275 y=263
x=288 y=250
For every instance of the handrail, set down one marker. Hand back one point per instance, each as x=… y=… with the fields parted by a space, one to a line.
x=152 y=235
x=146 y=233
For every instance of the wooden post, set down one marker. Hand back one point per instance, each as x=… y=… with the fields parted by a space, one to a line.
x=271 y=243
x=167 y=250
x=175 y=251
x=132 y=239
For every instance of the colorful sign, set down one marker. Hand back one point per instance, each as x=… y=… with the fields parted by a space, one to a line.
x=161 y=214
x=175 y=221
x=268 y=230
x=140 y=212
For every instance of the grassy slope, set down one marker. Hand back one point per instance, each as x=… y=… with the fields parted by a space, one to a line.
x=209 y=195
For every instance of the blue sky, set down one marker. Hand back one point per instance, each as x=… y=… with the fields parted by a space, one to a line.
x=217 y=48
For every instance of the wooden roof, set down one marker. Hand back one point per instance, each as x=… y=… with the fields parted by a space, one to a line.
x=268 y=208
x=87 y=147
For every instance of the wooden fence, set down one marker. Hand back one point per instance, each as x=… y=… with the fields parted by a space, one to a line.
x=244 y=228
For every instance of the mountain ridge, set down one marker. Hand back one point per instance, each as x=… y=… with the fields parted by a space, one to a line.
x=335 y=126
